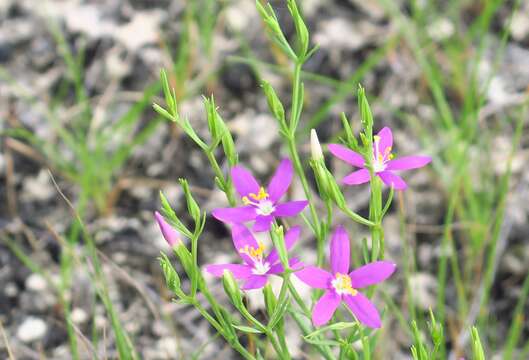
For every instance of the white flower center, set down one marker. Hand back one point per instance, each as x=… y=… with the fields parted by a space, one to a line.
x=380 y=159
x=260 y=268
x=378 y=165
x=342 y=285
x=265 y=207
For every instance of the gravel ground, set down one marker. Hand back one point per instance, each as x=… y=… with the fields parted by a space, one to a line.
x=123 y=54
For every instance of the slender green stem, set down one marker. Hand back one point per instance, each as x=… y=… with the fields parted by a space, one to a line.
x=324 y=350
x=234 y=343
x=227 y=188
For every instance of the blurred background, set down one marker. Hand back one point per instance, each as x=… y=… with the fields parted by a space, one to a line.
x=79 y=138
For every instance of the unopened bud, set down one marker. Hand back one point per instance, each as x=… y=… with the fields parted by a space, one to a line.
x=315 y=147
x=232 y=288
x=171 y=235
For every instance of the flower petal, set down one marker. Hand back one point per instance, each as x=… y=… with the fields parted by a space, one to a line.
x=291 y=208
x=235 y=215
x=169 y=233
x=244 y=181
x=262 y=223
x=243 y=237
x=291 y=237
x=386 y=139
x=357 y=177
x=281 y=180
x=239 y=271
x=314 y=277
x=408 y=162
x=325 y=308
x=371 y=273
x=363 y=309
x=390 y=179
x=339 y=251
x=347 y=155
x=255 y=282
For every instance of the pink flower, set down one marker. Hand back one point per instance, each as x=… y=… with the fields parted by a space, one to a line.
x=260 y=204
x=256 y=267
x=383 y=163
x=171 y=235
x=341 y=286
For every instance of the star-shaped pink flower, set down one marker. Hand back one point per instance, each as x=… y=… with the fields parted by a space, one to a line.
x=260 y=204
x=256 y=267
x=383 y=162
x=339 y=285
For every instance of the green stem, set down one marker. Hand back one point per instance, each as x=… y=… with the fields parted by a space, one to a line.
x=234 y=343
x=226 y=186
x=325 y=351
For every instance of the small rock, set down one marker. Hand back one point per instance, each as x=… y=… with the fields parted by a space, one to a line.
x=79 y=316
x=36 y=282
x=11 y=290
x=168 y=345
x=520 y=25
x=38 y=188
x=441 y=29
x=31 y=329
x=423 y=290
x=331 y=34
x=142 y=30
x=256 y=131
x=371 y=8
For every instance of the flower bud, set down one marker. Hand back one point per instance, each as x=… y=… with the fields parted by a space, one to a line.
x=171 y=276
x=274 y=103
x=171 y=235
x=315 y=147
x=232 y=289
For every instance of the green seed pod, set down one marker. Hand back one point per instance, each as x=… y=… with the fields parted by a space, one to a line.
x=275 y=105
x=232 y=289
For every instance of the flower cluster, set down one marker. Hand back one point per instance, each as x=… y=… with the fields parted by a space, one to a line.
x=263 y=206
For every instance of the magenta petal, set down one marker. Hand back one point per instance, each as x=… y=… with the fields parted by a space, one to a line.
x=363 y=309
x=255 y=282
x=325 y=308
x=239 y=271
x=357 y=177
x=386 y=140
x=339 y=251
x=291 y=208
x=314 y=277
x=291 y=237
x=391 y=179
x=262 y=223
x=347 y=155
x=281 y=180
x=244 y=181
x=243 y=237
x=235 y=215
x=371 y=273
x=170 y=235
x=408 y=162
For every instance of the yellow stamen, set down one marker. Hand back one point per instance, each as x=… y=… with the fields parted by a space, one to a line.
x=256 y=254
x=342 y=284
x=261 y=195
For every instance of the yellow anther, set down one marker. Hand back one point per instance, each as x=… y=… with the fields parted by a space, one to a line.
x=245 y=200
x=376 y=138
x=256 y=254
x=261 y=195
x=342 y=284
